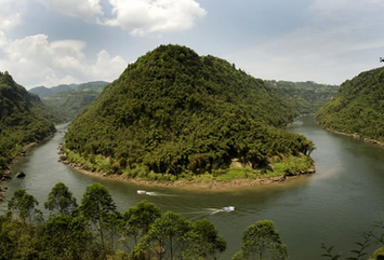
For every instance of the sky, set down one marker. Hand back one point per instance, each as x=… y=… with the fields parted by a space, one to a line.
x=52 y=42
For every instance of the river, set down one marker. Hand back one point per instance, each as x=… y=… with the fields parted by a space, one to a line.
x=343 y=198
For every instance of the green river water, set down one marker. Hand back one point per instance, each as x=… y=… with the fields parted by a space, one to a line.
x=344 y=197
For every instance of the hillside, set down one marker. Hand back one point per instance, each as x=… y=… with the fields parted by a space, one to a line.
x=358 y=107
x=23 y=119
x=70 y=102
x=174 y=112
x=304 y=97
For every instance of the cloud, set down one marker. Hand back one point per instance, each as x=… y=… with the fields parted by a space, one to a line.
x=87 y=10
x=141 y=17
x=11 y=13
x=34 y=61
x=331 y=47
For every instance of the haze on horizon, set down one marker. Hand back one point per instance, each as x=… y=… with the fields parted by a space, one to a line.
x=51 y=42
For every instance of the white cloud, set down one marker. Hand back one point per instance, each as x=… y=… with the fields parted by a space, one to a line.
x=141 y=17
x=34 y=61
x=333 y=46
x=85 y=9
x=11 y=12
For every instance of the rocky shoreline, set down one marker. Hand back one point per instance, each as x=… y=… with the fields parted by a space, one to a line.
x=8 y=173
x=210 y=185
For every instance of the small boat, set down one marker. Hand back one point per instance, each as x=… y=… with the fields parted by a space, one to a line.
x=141 y=192
x=229 y=208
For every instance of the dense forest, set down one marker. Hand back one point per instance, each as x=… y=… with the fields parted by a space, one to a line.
x=23 y=119
x=304 y=97
x=173 y=112
x=358 y=107
x=69 y=103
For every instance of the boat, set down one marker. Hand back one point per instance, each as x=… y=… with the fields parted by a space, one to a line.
x=229 y=208
x=141 y=192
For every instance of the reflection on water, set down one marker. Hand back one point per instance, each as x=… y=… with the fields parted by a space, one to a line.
x=343 y=198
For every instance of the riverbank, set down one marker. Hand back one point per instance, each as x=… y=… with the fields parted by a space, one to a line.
x=21 y=153
x=200 y=182
x=356 y=136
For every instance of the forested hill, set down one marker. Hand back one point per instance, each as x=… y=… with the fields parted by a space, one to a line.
x=304 y=97
x=172 y=111
x=358 y=107
x=69 y=103
x=23 y=119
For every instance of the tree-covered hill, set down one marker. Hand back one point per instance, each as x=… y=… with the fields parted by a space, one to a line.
x=173 y=111
x=358 y=107
x=70 y=102
x=23 y=119
x=304 y=97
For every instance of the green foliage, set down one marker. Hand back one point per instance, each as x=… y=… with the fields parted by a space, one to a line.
x=212 y=244
x=358 y=107
x=304 y=97
x=98 y=207
x=60 y=200
x=71 y=102
x=66 y=237
x=23 y=119
x=19 y=240
x=173 y=237
x=173 y=112
x=262 y=241
x=139 y=218
x=24 y=205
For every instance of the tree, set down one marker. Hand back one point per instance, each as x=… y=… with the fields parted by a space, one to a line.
x=66 y=237
x=25 y=205
x=262 y=241
x=96 y=205
x=60 y=199
x=208 y=236
x=139 y=218
x=166 y=238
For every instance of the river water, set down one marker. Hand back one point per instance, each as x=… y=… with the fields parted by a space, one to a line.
x=343 y=198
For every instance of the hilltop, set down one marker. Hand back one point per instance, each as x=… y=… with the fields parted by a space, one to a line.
x=23 y=119
x=358 y=107
x=173 y=112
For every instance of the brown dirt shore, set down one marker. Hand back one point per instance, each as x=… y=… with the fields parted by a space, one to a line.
x=212 y=185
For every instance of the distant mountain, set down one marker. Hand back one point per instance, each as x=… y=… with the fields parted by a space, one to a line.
x=70 y=102
x=304 y=97
x=44 y=91
x=358 y=107
x=23 y=119
x=173 y=112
